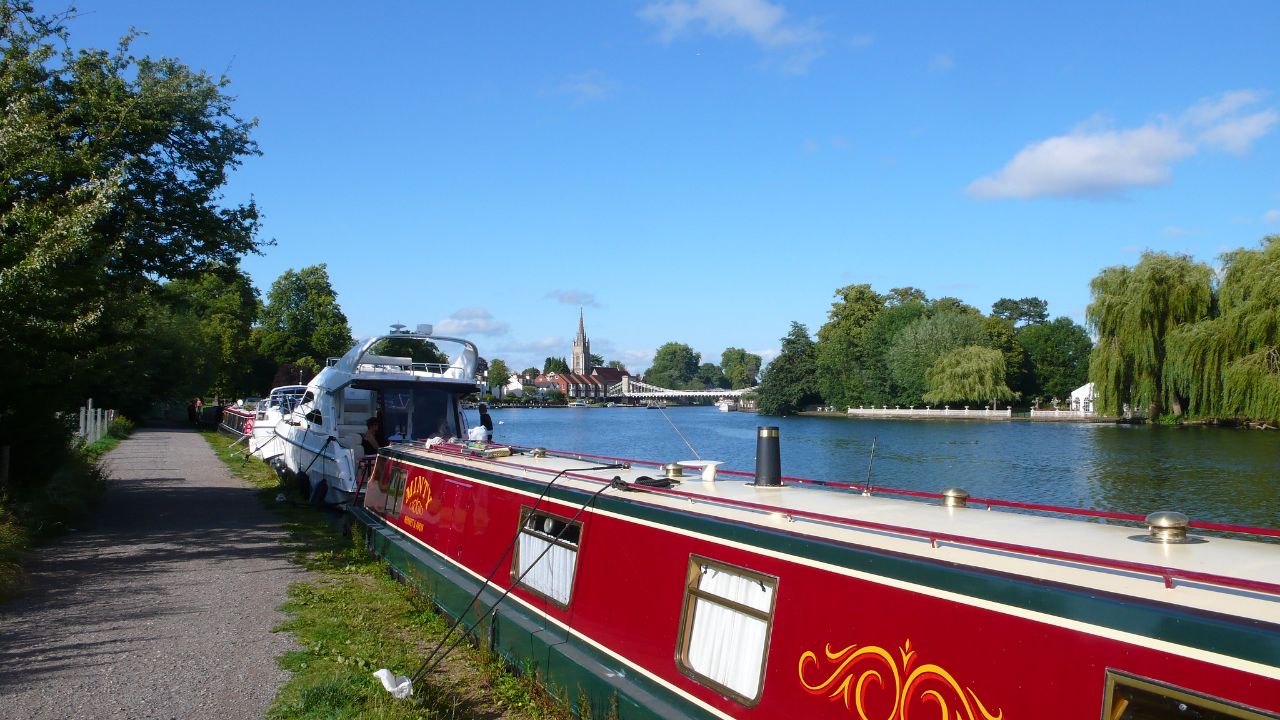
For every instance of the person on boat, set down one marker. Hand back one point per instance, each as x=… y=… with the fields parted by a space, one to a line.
x=371 y=440
x=486 y=421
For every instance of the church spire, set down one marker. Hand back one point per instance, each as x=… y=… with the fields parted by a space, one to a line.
x=581 y=349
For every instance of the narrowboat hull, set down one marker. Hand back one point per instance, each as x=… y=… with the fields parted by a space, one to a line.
x=861 y=623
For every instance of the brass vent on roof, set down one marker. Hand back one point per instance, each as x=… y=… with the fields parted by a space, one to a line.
x=1168 y=526
x=954 y=497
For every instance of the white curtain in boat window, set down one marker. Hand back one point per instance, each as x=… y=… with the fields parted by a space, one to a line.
x=552 y=575
x=725 y=644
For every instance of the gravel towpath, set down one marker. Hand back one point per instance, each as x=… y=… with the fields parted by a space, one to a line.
x=162 y=606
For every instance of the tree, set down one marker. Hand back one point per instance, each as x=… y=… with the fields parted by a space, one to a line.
x=674 y=366
x=968 y=374
x=789 y=383
x=915 y=350
x=530 y=373
x=222 y=308
x=1229 y=366
x=418 y=351
x=555 y=365
x=111 y=169
x=617 y=365
x=595 y=361
x=740 y=367
x=1057 y=355
x=1002 y=336
x=842 y=348
x=302 y=319
x=711 y=377
x=1027 y=311
x=499 y=374
x=878 y=382
x=1132 y=313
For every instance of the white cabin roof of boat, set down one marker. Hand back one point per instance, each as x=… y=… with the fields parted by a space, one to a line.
x=1112 y=557
x=359 y=363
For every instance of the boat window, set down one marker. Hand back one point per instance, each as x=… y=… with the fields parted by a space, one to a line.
x=395 y=493
x=547 y=555
x=1129 y=697
x=419 y=413
x=724 y=631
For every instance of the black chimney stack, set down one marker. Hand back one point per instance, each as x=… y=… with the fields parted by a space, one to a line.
x=768 y=457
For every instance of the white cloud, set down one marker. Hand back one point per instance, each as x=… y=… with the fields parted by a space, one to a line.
x=471 y=321
x=764 y=22
x=942 y=63
x=1271 y=216
x=1097 y=161
x=574 y=297
x=1237 y=135
x=587 y=87
x=1175 y=231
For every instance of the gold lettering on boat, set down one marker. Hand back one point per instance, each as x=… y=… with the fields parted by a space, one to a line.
x=417 y=495
x=860 y=679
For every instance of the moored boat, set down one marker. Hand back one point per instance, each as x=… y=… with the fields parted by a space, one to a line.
x=414 y=400
x=662 y=595
x=278 y=404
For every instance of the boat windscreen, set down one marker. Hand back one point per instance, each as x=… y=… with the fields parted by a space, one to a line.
x=419 y=413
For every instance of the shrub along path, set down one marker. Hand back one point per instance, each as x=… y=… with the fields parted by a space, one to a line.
x=162 y=606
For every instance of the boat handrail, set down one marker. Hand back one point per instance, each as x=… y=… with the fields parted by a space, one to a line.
x=1165 y=573
x=925 y=495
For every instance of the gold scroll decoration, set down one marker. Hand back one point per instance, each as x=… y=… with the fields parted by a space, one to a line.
x=868 y=678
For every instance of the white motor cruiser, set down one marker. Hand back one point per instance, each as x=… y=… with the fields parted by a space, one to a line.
x=277 y=406
x=378 y=378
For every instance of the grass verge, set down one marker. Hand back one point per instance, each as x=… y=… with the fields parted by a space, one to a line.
x=351 y=618
x=51 y=506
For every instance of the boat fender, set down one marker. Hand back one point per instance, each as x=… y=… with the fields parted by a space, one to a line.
x=319 y=492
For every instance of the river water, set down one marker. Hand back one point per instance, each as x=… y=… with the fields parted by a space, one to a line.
x=1215 y=474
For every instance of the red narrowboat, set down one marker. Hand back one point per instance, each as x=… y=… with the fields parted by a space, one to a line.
x=728 y=595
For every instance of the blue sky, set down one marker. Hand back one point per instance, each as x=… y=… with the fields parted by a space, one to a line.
x=706 y=171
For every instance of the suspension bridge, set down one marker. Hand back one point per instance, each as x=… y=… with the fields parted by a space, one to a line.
x=631 y=388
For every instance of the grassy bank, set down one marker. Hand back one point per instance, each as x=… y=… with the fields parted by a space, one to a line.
x=50 y=507
x=351 y=618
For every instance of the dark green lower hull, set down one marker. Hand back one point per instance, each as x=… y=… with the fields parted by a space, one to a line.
x=568 y=667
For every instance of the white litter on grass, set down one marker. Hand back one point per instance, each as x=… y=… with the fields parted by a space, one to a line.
x=399 y=686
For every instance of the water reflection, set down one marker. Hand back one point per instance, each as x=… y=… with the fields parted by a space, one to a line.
x=1209 y=473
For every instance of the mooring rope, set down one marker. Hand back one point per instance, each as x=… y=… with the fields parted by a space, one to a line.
x=431 y=657
x=682 y=437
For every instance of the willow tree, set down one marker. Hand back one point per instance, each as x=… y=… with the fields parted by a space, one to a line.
x=972 y=374
x=1230 y=365
x=1132 y=313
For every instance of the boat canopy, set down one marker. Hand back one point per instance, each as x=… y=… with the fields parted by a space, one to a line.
x=460 y=370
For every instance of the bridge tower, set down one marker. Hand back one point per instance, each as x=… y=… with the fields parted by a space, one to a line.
x=581 y=364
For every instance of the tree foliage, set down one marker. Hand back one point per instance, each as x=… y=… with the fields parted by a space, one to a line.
x=674 y=366
x=915 y=350
x=842 y=349
x=221 y=307
x=970 y=374
x=790 y=382
x=555 y=365
x=1027 y=311
x=1229 y=365
x=740 y=367
x=302 y=318
x=111 y=169
x=1057 y=355
x=499 y=374
x=1133 y=312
